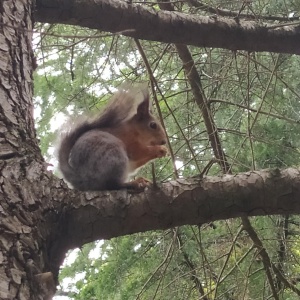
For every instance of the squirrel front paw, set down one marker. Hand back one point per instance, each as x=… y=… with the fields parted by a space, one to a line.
x=138 y=185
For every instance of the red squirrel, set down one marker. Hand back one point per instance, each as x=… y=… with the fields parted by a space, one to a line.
x=103 y=153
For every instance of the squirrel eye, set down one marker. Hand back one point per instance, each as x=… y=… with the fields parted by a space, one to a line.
x=153 y=125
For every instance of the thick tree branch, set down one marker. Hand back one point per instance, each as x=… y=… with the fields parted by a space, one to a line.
x=90 y=216
x=140 y=22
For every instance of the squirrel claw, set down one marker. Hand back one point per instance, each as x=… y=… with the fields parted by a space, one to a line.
x=138 y=185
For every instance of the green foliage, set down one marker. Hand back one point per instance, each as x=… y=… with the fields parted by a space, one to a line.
x=166 y=266
x=254 y=102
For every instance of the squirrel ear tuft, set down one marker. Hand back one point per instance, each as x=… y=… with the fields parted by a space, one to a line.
x=143 y=107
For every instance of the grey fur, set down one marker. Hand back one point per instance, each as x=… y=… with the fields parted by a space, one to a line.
x=89 y=158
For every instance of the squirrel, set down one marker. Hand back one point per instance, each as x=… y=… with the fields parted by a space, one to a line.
x=102 y=154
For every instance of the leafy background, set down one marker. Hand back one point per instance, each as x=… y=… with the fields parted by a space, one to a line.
x=254 y=102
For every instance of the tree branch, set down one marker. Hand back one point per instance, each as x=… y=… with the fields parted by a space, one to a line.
x=234 y=14
x=102 y=215
x=268 y=265
x=263 y=253
x=141 y=22
x=198 y=93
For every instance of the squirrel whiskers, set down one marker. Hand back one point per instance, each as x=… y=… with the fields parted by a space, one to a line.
x=102 y=153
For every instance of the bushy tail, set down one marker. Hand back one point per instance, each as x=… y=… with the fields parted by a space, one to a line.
x=67 y=142
x=69 y=139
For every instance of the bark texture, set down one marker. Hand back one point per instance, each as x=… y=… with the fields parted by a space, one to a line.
x=23 y=254
x=140 y=22
x=103 y=215
x=184 y=201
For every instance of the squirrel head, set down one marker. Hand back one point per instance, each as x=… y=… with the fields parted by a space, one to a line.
x=147 y=127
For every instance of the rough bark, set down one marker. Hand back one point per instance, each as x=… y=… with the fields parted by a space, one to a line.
x=140 y=22
x=90 y=216
x=23 y=254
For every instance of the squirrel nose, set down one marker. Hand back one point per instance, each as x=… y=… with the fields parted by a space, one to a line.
x=163 y=142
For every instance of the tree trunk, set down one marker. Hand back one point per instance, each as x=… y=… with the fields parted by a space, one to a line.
x=23 y=252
